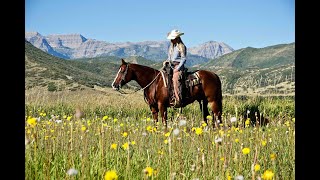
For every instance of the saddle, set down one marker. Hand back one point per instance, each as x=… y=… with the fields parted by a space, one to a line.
x=187 y=81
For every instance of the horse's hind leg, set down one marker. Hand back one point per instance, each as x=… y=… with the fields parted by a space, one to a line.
x=154 y=111
x=216 y=107
x=204 y=110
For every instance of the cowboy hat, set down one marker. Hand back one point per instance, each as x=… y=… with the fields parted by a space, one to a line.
x=174 y=34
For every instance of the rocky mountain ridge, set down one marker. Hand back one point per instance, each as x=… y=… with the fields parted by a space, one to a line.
x=73 y=46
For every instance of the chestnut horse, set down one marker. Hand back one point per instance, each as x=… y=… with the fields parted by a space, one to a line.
x=156 y=93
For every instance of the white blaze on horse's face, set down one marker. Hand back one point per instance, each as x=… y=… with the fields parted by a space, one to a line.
x=120 y=77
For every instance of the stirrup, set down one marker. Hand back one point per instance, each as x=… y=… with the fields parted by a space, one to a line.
x=176 y=104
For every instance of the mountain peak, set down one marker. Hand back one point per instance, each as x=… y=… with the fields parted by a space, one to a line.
x=65 y=40
x=32 y=34
x=211 y=49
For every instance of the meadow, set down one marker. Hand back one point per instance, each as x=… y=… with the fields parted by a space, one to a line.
x=102 y=134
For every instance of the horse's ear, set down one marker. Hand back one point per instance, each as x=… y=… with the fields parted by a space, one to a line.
x=123 y=62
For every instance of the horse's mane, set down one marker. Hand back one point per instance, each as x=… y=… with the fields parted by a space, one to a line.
x=145 y=67
x=150 y=99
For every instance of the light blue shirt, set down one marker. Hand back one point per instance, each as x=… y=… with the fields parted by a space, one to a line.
x=176 y=57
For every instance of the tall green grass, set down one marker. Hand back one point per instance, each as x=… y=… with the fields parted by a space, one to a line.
x=60 y=140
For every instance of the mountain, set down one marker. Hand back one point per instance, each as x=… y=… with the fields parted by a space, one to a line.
x=74 y=46
x=211 y=49
x=42 y=69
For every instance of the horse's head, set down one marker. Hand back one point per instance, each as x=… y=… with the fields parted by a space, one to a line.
x=123 y=76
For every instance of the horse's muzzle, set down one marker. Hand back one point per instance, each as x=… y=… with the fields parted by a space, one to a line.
x=115 y=87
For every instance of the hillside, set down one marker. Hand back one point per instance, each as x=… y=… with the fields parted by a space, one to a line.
x=257 y=70
x=43 y=69
x=267 y=57
x=273 y=73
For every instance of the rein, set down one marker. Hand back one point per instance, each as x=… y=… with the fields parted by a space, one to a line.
x=122 y=92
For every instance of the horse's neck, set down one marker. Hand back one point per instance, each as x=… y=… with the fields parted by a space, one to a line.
x=145 y=75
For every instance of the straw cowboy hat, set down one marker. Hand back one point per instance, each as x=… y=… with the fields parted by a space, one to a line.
x=174 y=34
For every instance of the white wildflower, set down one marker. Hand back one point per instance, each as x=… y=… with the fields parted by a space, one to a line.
x=218 y=140
x=233 y=119
x=193 y=167
x=58 y=121
x=176 y=131
x=144 y=134
x=239 y=177
x=72 y=172
x=182 y=122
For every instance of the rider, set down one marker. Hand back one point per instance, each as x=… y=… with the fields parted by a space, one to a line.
x=177 y=55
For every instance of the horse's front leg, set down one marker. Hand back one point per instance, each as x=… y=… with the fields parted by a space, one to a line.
x=155 y=111
x=164 y=113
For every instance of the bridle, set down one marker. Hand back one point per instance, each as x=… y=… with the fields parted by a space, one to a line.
x=124 y=76
x=125 y=73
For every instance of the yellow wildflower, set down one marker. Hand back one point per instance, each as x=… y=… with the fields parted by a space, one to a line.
x=247 y=122
x=273 y=156
x=133 y=142
x=69 y=118
x=267 y=175
x=198 y=131
x=167 y=134
x=165 y=141
x=64 y=117
x=236 y=140
x=115 y=120
x=83 y=128
x=121 y=125
x=209 y=117
x=148 y=119
x=287 y=123
x=124 y=134
x=32 y=121
x=228 y=177
x=256 y=167
x=125 y=146
x=114 y=146
x=204 y=124
x=263 y=142
x=111 y=175
x=104 y=117
x=149 y=128
x=148 y=171
x=245 y=150
x=221 y=132
x=160 y=152
x=222 y=159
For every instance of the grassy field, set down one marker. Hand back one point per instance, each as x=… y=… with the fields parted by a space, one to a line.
x=102 y=134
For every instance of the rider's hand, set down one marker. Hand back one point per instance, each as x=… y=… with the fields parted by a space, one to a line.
x=175 y=70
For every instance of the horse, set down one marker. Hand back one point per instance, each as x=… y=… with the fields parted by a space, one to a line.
x=156 y=94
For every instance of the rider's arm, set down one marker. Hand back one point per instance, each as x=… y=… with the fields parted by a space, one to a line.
x=183 y=54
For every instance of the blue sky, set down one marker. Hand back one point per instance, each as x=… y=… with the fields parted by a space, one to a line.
x=238 y=23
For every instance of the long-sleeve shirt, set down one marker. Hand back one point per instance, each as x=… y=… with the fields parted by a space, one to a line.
x=178 y=53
